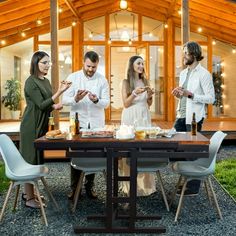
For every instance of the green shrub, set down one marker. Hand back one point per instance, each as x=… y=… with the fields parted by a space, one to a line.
x=226 y=175
x=4 y=181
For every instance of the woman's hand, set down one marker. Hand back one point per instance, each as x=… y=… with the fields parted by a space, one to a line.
x=57 y=106
x=150 y=92
x=64 y=85
x=139 y=90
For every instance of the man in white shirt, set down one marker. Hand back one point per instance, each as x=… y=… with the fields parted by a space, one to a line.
x=195 y=90
x=89 y=96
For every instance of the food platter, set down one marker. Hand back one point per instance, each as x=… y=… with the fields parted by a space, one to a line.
x=97 y=134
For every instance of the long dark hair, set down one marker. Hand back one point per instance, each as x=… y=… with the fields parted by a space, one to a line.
x=194 y=49
x=37 y=56
x=131 y=75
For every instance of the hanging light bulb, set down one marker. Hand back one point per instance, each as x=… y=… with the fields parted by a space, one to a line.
x=23 y=34
x=124 y=35
x=61 y=57
x=123 y=4
x=130 y=42
x=234 y=51
x=68 y=60
x=91 y=35
x=73 y=23
x=109 y=41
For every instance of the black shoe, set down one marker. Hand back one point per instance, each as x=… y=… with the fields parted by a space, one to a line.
x=188 y=192
x=71 y=195
x=91 y=193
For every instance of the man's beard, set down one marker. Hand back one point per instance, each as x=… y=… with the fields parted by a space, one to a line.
x=89 y=73
x=189 y=62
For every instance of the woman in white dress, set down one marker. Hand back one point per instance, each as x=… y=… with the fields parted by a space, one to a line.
x=137 y=97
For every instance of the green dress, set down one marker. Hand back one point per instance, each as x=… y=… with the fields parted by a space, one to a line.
x=34 y=124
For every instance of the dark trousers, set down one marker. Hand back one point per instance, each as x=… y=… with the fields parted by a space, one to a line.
x=180 y=126
x=75 y=175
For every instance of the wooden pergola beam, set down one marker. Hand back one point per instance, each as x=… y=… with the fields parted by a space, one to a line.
x=73 y=10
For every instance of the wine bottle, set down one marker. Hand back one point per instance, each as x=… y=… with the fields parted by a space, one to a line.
x=76 y=123
x=194 y=125
x=51 y=124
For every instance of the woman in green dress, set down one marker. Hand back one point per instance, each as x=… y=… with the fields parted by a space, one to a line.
x=39 y=103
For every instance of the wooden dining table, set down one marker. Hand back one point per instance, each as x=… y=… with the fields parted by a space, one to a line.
x=179 y=146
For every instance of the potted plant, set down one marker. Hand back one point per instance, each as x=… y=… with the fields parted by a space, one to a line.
x=13 y=97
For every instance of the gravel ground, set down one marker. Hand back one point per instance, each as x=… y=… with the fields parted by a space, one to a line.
x=197 y=217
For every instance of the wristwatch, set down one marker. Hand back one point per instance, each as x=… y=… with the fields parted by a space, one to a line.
x=190 y=96
x=95 y=102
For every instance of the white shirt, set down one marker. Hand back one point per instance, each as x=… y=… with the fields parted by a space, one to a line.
x=89 y=113
x=201 y=85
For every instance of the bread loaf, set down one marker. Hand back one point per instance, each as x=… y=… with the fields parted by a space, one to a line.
x=53 y=133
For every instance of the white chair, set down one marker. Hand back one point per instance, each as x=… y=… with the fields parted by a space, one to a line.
x=200 y=169
x=87 y=166
x=152 y=165
x=21 y=172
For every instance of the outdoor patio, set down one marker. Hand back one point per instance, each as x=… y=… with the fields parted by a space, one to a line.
x=197 y=216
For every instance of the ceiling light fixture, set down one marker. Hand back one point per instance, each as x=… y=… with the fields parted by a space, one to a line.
x=123 y=5
x=39 y=22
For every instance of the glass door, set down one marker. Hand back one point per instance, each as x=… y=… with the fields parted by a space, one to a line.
x=119 y=63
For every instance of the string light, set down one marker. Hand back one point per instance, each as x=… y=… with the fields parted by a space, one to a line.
x=60 y=10
x=165 y=26
x=23 y=34
x=73 y=23
x=130 y=42
x=3 y=42
x=109 y=41
x=199 y=29
x=233 y=51
x=39 y=22
x=150 y=34
x=213 y=42
x=179 y=12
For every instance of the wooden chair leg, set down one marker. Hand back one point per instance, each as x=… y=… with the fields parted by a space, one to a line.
x=214 y=198
x=172 y=198
x=16 y=197
x=162 y=190
x=49 y=192
x=6 y=200
x=40 y=203
x=180 y=200
x=77 y=191
x=207 y=191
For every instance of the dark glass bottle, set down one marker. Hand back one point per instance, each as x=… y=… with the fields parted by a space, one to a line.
x=194 y=125
x=51 y=124
x=76 y=123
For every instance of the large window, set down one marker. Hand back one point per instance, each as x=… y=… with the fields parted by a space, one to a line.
x=156 y=76
x=124 y=26
x=15 y=63
x=152 y=30
x=223 y=68
x=94 y=29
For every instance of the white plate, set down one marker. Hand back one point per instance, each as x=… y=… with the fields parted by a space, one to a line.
x=125 y=138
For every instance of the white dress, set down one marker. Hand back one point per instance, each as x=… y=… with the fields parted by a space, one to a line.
x=137 y=112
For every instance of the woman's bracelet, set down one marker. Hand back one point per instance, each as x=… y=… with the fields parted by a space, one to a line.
x=135 y=94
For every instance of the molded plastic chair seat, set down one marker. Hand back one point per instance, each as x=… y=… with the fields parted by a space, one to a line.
x=200 y=169
x=153 y=165
x=21 y=172
x=87 y=166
